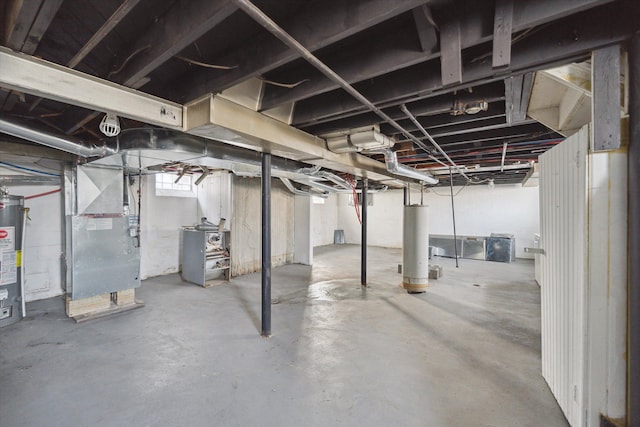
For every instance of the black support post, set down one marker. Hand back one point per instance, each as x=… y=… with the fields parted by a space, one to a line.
x=266 y=245
x=633 y=400
x=363 y=267
x=405 y=193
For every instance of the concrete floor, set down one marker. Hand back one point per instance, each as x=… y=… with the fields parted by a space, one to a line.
x=466 y=353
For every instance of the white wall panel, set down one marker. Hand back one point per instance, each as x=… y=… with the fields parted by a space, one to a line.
x=162 y=219
x=563 y=230
x=214 y=197
x=324 y=220
x=246 y=231
x=303 y=243
x=584 y=278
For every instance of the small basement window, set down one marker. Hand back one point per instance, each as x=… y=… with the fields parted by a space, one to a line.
x=166 y=186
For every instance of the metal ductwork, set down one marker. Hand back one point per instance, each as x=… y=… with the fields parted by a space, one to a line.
x=150 y=148
x=287 y=182
x=393 y=166
x=53 y=141
x=16 y=180
x=358 y=140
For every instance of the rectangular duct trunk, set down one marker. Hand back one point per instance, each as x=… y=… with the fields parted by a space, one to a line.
x=216 y=118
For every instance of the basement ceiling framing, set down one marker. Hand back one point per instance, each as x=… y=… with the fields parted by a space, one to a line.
x=438 y=58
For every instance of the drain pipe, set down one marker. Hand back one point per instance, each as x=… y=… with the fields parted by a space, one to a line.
x=260 y=17
x=415 y=121
x=53 y=141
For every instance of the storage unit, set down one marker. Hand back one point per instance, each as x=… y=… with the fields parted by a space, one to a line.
x=205 y=256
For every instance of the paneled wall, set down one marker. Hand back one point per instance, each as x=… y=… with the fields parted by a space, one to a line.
x=246 y=231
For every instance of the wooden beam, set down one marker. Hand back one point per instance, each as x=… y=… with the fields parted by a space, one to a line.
x=104 y=30
x=527 y=87
x=34 y=76
x=40 y=25
x=184 y=23
x=606 y=98
x=315 y=27
x=426 y=27
x=450 y=53
x=353 y=63
x=557 y=45
x=437 y=105
x=487 y=123
x=476 y=28
x=513 y=97
x=29 y=44
x=20 y=15
x=502 y=27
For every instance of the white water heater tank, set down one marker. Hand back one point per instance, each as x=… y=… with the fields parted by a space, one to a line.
x=415 y=248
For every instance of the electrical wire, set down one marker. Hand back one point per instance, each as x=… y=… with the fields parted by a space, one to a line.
x=28 y=169
x=356 y=201
x=33 y=196
x=432 y=190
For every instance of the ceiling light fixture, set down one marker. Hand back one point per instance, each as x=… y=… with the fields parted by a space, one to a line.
x=473 y=107
x=110 y=125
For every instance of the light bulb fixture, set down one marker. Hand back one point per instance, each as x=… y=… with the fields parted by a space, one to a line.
x=473 y=107
x=110 y=125
x=491 y=184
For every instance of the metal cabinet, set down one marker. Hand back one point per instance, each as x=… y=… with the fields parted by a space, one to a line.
x=205 y=256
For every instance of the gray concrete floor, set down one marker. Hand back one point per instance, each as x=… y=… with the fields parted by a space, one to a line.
x=466 y=353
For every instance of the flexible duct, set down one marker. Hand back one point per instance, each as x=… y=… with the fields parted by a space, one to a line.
x=52 y=141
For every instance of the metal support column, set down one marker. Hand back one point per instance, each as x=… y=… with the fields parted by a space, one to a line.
x=633 y=396
x=266 y=245
x=405 y=192
x=363 y=267
x=453 y=217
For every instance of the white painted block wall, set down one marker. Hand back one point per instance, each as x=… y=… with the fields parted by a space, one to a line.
x=161 y=221
x=480 y=211
x=324 y=220
x=246 y=232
